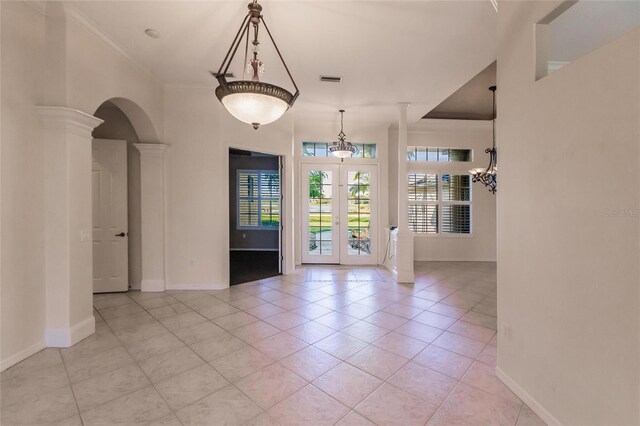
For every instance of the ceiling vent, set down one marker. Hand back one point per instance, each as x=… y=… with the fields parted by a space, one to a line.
x=227 y=75
x=330 y=79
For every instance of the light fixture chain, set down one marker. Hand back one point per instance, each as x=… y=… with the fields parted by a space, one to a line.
x=295 y=95
x=235 y=42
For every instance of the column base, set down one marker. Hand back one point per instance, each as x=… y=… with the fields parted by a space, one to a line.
x=152 y=286
x=402 y=271
x=63 y=337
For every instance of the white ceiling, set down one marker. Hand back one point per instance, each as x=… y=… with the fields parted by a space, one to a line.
x=386 y=51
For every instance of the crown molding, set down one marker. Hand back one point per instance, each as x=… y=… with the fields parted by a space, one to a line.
x=92 y=28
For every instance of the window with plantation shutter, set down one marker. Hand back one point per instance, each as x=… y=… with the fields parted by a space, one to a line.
x=423 y=203
x=258 y=199
x=439 y=204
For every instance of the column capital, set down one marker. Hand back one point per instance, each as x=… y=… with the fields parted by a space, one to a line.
x=152 y=149
x=74 y=120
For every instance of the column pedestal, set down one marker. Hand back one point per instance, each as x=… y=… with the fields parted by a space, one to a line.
x=403 y=259
x=152 y=205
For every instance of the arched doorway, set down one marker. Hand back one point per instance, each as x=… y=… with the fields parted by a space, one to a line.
x=113 y=142
x=126 y=166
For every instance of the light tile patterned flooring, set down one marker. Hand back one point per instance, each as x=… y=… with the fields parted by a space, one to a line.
x=327 y=345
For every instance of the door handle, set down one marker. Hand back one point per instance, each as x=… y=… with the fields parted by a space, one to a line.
x=122 y=234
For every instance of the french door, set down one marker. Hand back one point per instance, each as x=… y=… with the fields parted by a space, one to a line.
x=339 y=214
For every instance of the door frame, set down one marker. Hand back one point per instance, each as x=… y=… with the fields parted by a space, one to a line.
x=324 y=161
x=286 y=220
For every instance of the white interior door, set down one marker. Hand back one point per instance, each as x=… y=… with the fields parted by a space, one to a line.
x=110 y=233
x=338 y=214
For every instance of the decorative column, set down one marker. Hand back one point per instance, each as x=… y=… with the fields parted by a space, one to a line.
x=402 y=237
x=66 y=135
x=152 y=205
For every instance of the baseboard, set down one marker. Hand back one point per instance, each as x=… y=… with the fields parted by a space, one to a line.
x=152 y=286
x=63 y=337
x=197 y=286
x=403 y=277
x=22 y=355
x=535 y=406
x=458 y=259
x=253 y=249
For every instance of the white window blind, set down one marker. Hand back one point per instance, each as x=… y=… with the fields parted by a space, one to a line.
x=258 y=199
x=439 y=204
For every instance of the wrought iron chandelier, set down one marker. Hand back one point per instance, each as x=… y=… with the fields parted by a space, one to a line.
x=252 y=101
x=489 y=176
x=342 y=149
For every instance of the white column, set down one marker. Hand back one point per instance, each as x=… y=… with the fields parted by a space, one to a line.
x=66 y=135
x=402 y=237
x=152 y=206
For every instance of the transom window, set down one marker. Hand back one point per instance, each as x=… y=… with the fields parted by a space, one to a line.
x=258 y=199
x=439 y=204
x=426 y=153
x=321 y=149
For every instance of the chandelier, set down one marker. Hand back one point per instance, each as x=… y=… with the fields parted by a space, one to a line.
x=342 y=149
x=252 y=101
x=489 y=176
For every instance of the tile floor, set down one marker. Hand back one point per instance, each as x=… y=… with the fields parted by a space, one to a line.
x=326 y=345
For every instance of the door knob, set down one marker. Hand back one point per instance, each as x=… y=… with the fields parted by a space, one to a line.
x=122 y=234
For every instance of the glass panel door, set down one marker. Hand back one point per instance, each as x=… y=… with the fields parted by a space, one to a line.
x=320 y=214
x=339 y=214
x=357 y=187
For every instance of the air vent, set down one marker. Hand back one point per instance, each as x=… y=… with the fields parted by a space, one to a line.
x=330 y=79
x=227 y=75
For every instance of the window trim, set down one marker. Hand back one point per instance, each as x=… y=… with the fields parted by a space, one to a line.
x=259 y=199
x=414 y=148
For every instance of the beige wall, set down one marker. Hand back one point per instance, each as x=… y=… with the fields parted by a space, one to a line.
x=22 y=291
x=82 y=71
x=568 y=278
x=200 y=133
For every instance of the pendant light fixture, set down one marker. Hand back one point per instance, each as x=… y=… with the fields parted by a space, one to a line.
x=489 y=176
x=342 y=149
x=252 y=101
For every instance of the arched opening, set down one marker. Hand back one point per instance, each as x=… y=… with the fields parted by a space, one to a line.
x=117 y=192
x=117 y=260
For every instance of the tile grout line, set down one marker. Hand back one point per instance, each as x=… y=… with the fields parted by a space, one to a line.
x=408 y=295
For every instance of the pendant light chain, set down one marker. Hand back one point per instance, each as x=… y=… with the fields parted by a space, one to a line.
x=489 y=177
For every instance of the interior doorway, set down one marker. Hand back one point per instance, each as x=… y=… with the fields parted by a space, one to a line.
x=110 y=218
x=116 y=208
x=339 y=220
x=255 y=208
